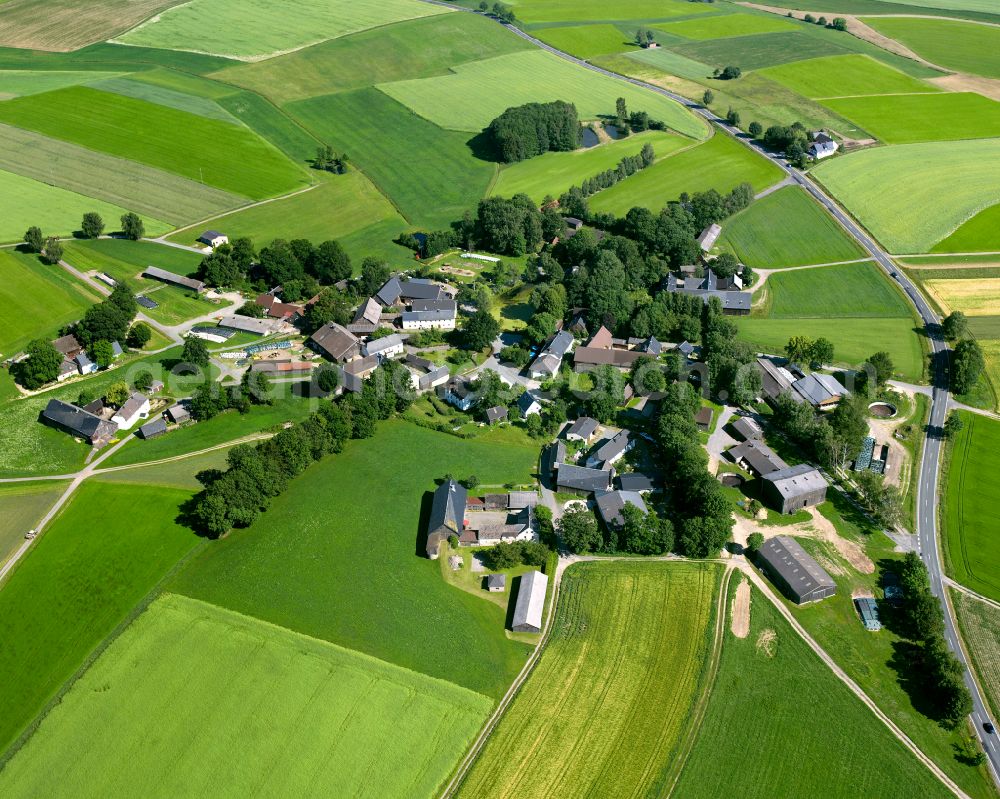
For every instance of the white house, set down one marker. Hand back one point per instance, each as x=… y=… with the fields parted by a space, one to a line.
x=85 y=365
x=434 y=314
x=822 y=146
x=135 y=408
x=385 y=347
x=213 y=238
x=460 y=394
x=529 y=404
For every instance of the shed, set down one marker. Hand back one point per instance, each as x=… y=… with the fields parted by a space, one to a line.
x=703 y=418
x=582 y=429
x=868 y=611
x=213 y=238
x=336 y=342
x=178 y=414
x=795 y=571
x=530 y=603
x=747 y=429
x=152 y=429
x=176 y=280
x=496 y=583
x=496 y=415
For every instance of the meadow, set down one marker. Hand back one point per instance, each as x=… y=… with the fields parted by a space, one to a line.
x=971 y=539
x=854 y=290
x=955 y=179
x=787 y=228
x=361 y=727
x=759 y=735
x=172 y=474
x=479 y=91
x=608 y=704
x=88 y=570
x=553 y=173
x=271 y=124
x=909 y=118
x=158 y=94
x=587 y=41
x=430 y=174
x=980 y=232
x=586 y=10
x=21 y=82
x=847 y=75
x=971 y=297
x=981 y=633
x=250 y=29
x=761 y=50
x=226 y=156
x=720 y=163
x=331 y=543
x=961 y=46
x=722 y=26
x=125 y=260
x=22 y=505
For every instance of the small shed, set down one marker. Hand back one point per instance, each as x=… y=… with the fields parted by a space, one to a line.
x=868 y=610
x=703 y=418
x=496 y=583
x=152 y=429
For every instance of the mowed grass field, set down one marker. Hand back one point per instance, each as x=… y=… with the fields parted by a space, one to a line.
x=980 y=626
x=787 y=228
x=847 y=75
x=760 y=735
x=608 y=703
x=105 y=551
x=721 y=26
x=955 y=179
x=20 y=82
x=586 y=41
x=908 y=118
x=758 y=51
x=981 y=232
x=961 y=46
x=972 y=529
x=554 y=173
x=720 y=163
x=480 y=91
x=46 y=298
x=125 y=260
x=855 y=290
x=226 y=156
x=254 y=28
x=347 y=534
x=305 y=717
x=22 y=505
x=585 y=10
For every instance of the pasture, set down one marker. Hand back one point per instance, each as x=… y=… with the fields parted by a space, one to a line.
x=980 y=628
x=980 y=232
x=787 y=228
x=956 y=179
x=847 y=75
x=165 y=96
x=430 y=174
x=608 y=704
x=971 y=297
x=587 y=41
x=909 y=118
x=46 y=298
x=723 y=26
x=721 y=163
x=759 y=736
x=20 y=82
x=271 y=124
x=172 y=474
x=849 y=290
x=971 y=539
x=226 y=156
x=282 y=700
x=253 y=29
x=125 y=260
x=586 y=10
x=319 y=547
x=87 y=571
x=554 y=173
x=22 y=505
x=952 y=44
x=761 y=50
x=479 y=91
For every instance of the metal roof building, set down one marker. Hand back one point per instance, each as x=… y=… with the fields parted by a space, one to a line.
x=570 y=477
x=170 y=277
x=868 y=611
x=78 y=422
x=794 y=487
x=530 y=603
x=795 y=571
x=247 y=324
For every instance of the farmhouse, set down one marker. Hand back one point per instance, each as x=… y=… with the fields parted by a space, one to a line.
x=582 y=480
x=460 y=394
x=78 y=422
x=336 y=342
x=396 y=290
x=489 y=527
x=794 y=487
x=583 y=429
x=496 y=415
x=213 y=238
x=611 y=451
x=822 y=145
x=708 y=237
x=385 y=347
x=276 y=309
x=496 y=583
x=756 y=457
x=530 y=603
x=366 y=318
x=175 y=280
x=529 y=403
x=282 y=367
x=734 y=302
x=550 y=359
x=610 y=505
x=795 y=571
x=135 y=408
x=778 y=376
x=66 y=370
x=437 y=377
x=152 y=429
x=447 y=515
x=247 y=324
x=357 y=370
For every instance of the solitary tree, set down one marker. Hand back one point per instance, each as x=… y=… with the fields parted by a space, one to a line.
x=881 y=363
x=53 y=252
x=707 y=97
x=132 y=226
x=41 y=366
x=733 y=116
x=821 y=352
x=195 y=351
x=954 y=325
x=138 y=335
x=755 y=129
x=328 y=379
x=480 y=330
x=102 y=354
x=143 y=381
x=755 y=541
x=33 y=240
x=92 y=225
x=118 y=393
x=579 y=531
x=953 y=425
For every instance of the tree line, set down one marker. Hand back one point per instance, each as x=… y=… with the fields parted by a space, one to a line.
x=627 y=167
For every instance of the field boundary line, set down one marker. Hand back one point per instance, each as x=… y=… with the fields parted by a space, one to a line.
x=957 y=586
x=199 y=222
x=183 y=456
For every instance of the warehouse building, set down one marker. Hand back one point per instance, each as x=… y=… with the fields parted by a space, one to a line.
x=795 y=571
x=795 y=487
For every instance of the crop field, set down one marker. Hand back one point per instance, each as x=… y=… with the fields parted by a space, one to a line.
x=271 y=124
x=980 y=626
x=909 y=118
x=22 y=505
x=956 y=179
x=854 y=290
x=787 y=228
x=981 y=232
x=607 y=705
x=721 y=163
x=761 y=50
x=972 y=529
x=252 y=29
x=64 y=25
x=586 y=41
x=961 y=46
x=165 y=96
x=758 y=738
x=46 y=298
x=89 y=568
x=554 y=173
x=430 y=174
x=21 y=82
x=844 y=76
x=479 y=91
x=585 y=10
x=722 y=26
x=971 y=297
x=364 y=727
x=226 y=156
x=854 y=339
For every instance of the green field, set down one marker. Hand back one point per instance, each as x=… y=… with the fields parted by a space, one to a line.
x=165 y=96
x=850 y=290
x=272 y=124
x=909 y=118
x=479 y=91
x=253 y=28
x=955 y=179
x=586 y=10
x=844 y=76
x=87 y=571
x=20 y=82
x=609 y=701
x=306 y=717
x=721 y=26
x=125 y=260
x=759 y=737
x=981 y=232
x=787 y=228
x=586 y=41
x=972 y=529
x=961 y=46
x=430 y=174
x=757 y=52
x=172 y=474
x=22 y=505
x=854 y=339
x=46 y=298
x=980 y=628
x=720 y=163
x=554 y=173
x=226 y=156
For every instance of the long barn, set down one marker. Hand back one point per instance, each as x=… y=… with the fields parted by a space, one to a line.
x=530 y=602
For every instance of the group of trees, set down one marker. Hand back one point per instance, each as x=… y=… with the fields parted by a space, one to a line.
x=534 y=128
x=108 y=320
x=329 y=160
x=838 y=23
x=50 y=249
x=814 y=352
x=883 y=502
x=640 y=533
x=967 y=364
x=40 y=367
x=792 y=140
x=211 y=398
x=832 y=439
x=644 y=36
x=507 y=555
x=502 y=12
x=728 y=73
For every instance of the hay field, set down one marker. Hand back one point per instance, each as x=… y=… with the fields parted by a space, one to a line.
x=980 y=233
x=961 y=46
x=909 y=118
x=980 y=626
x=758 y=51
x=607 y=705
x=971 y=297
x=166 y=96
x=844 y=76
x=587 y=10
x=22 y=505
x=722 y=26
x=480 y=91
x=849 y=290
x=587 y=41
x=21 y=82
x=64 y=25
x=206 y=701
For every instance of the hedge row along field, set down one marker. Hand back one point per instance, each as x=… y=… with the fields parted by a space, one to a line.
x=607 y=705
x=205 y=701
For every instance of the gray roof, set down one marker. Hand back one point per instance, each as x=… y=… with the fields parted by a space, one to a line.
x=178 y=414
x=447 y=515
x=247 y=324
x=421 y=289
x=795 y=481
x=555 y=454
x=429 y=379
x=496 y=581
x=336 y=341
x=460 y=387
x=496 y=414
x=759 y=457
x=613 y=447
x=116 y=348
x=389 y=293
x=209 y=235
x=708 y=236
x=581 y=478
x=805 y=578
x=610 y=505
x=384 y=343
x=530 y=602
x=67 y=345
x=82 y=360
x=427 y=316
x=584 y=427
x=518 y=500
x=447 y=306
x=747 y=428
x=601 y=355
x=527 y=399
x=77 y=420
x=170 y=277
x=547 y=362
x=132 y=405
x=421 y=363
x=685 y=347
x=153 y=428
x=819 y=389
x=560 y=343
x=635 y=481
x=369 y=311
